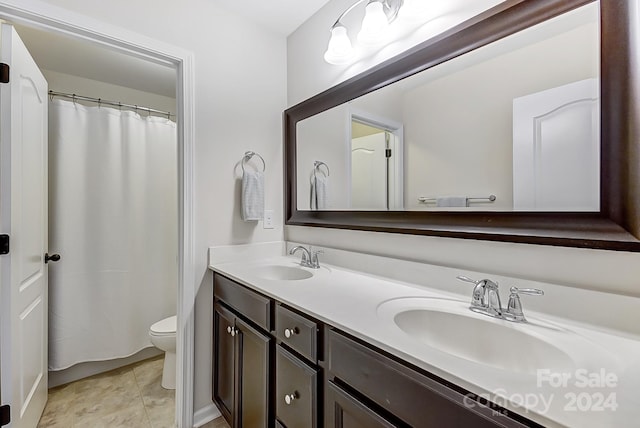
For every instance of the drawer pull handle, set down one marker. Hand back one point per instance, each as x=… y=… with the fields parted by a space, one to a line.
x=289 y=332
x=290 y=397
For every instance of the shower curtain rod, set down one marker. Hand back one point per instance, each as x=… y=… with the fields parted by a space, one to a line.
x=100 y=101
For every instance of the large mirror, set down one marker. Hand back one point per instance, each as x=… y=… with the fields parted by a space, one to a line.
x=513 y=125
x=506 y=127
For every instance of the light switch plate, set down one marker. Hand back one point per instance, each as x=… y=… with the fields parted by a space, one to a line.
x=268 y=219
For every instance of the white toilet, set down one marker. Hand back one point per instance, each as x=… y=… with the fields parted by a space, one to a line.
x=163 y=337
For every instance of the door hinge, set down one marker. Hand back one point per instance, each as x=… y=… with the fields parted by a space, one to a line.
x=4 y=244
x=387 y=153
x=4 y=72
x=5 y=415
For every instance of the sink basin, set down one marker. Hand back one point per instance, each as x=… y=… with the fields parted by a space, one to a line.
x=449 y=326
x=281 y=273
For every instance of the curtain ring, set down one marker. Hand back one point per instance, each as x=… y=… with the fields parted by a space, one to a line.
x=119 y=106
x=99 y=102
x=168 y=115
x=73 y=97
x=50 y=95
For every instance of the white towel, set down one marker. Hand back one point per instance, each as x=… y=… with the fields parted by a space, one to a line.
x=319 y=198
x=452 y=201
x=252 y=195
x=322 y=192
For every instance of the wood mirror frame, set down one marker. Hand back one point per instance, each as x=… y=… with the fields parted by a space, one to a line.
x=615 y=227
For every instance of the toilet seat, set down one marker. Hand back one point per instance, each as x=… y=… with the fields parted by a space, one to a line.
x=165 y=327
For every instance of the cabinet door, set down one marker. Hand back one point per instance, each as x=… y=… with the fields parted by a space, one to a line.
x=254 y=351
x=345 y=411
x=296 y=386
x=224 y=361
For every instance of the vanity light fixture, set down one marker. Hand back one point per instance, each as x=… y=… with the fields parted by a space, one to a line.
x=379 y=14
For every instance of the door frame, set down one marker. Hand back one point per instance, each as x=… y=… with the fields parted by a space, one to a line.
x=44 y=16
x=396 y=202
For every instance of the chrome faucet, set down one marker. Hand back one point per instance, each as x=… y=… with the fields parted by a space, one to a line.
x=485 y=299
x=514 y=307
x=309 y=258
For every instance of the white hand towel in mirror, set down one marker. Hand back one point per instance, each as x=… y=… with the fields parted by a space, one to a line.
x=252 y=195
x=452 y=201
x=322 y=191
x=312 y=195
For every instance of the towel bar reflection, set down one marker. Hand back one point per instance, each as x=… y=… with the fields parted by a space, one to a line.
x=318 y=164
x=247 y=157
x=491 y=198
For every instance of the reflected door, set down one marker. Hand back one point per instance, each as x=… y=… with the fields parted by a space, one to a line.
x=556 y=149
x=369 y=172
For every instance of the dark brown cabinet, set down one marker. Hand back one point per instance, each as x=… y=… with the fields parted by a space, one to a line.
x=224 y=362
x=346 y=411
x=275 y=367
x=241 y=370
x=415 y=398
x=296 y=391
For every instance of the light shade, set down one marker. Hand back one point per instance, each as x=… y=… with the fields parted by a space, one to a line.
x=339 y=50
x=374 y=25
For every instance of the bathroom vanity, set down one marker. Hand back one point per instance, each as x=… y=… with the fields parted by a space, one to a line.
x=338 y=347
x=322 y=375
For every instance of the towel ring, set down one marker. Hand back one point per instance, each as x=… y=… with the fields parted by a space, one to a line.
x=247 y=157
x=318 y=164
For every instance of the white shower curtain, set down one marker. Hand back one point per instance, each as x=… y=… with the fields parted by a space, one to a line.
x=113 y=219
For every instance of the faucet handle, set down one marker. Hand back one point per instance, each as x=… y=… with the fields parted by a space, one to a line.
x=529 y=291
x=466 y=279
x=315 y=263
x=514 y=307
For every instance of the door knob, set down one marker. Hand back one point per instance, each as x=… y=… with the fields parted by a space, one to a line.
x=52 y=257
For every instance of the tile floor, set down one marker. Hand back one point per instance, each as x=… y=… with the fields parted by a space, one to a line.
x=216 y=423
x=128 y=397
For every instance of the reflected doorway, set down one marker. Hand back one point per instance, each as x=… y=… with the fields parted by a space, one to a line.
x=376 y=157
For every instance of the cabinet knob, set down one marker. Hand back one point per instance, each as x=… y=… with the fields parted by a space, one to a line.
x=290 y=397
x=289 y=332
x=234 y=331
x=229 y=328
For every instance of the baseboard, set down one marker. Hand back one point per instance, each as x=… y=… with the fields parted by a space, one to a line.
x=205 y=414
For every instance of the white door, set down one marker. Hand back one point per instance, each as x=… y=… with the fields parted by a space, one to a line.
x=556 y=149
x=369 y=172
x=23 y=215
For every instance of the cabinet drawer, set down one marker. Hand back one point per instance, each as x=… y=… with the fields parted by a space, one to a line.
x=345 y=411
x=296 y=391
x=413 y=397
x=298 y=332
x=250 y=304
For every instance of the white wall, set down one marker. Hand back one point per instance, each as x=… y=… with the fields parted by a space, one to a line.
x=325 y=137
x=60 y=82
x=458 y=128
x=240 y=95
x=612 y=271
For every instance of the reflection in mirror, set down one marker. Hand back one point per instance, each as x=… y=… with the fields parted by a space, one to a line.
x=518 y=118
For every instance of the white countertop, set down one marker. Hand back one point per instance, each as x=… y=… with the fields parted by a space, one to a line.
x=357 y=302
